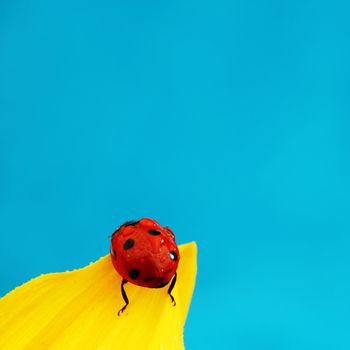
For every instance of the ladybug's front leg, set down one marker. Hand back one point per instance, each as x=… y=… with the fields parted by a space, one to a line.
x=172 y=284
x=124 y=297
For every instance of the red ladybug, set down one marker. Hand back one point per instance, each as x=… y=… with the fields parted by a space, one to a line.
x=145 y=253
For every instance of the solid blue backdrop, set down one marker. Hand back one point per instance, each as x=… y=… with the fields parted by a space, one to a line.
x=228 y=121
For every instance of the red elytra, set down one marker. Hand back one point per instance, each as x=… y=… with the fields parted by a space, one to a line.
x=145 y=253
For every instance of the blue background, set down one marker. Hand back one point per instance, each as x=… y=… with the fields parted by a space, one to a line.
x=228 y=121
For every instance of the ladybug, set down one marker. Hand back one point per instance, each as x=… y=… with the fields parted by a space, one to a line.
x=145 y=253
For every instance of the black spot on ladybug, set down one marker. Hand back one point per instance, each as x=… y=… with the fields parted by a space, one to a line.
x=129 y=243
x=130 y=223
x=133 y=273
x=173 y=255
x=161 y=285
x=154 y=232
x=149 y=279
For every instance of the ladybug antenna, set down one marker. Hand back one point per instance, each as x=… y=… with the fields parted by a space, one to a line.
x=172 y=285
x=125 y=297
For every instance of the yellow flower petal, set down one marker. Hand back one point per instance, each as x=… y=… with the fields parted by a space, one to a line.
x=78 y=310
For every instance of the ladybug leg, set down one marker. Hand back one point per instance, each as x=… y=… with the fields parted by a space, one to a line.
x=125 y=297
x=172 y=284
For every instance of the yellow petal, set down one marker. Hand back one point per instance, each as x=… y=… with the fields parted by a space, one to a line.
x=78 y=310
